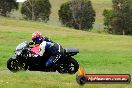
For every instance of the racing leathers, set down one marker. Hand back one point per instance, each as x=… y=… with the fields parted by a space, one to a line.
x=53 y=49
x=46 y=39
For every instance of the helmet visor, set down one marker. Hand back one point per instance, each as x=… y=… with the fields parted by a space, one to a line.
x=37 y=40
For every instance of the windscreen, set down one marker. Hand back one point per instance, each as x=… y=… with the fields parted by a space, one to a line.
x=21 y=46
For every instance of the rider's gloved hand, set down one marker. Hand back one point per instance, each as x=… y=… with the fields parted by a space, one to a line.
x=31 y=43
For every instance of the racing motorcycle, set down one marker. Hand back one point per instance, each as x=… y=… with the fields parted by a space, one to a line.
x=24 y=59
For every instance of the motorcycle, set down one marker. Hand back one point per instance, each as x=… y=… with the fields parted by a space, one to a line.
x=24 y=59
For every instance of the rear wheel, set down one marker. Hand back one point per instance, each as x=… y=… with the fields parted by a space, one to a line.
x=14 y=65
x=69 y=66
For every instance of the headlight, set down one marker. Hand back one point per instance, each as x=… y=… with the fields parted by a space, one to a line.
x=18 y=52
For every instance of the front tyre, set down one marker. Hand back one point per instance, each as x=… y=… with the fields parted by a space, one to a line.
x=69 y=66
x=14 y=65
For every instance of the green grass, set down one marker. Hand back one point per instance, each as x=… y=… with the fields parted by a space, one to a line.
x=99 y=53
x=47 y=80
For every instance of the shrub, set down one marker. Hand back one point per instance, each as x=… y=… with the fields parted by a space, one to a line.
x=78 y=14
x=119 y=19
x=37 y=10
x=6 y=6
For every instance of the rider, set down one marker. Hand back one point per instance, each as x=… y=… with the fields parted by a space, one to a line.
x=37 y=38
x=46 y=45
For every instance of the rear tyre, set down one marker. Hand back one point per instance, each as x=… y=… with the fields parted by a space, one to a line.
x=69 y=66
x=14 y=65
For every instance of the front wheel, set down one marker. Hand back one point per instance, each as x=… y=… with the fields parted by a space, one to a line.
x=14 y=65
x=69 y=66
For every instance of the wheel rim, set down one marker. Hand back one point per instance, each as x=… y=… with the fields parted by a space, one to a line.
x=21 y=66
x=68 y=67
x=62 y=68
x=71 y=68
x=16 y=65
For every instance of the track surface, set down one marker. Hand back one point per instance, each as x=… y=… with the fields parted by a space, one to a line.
x=7 y=71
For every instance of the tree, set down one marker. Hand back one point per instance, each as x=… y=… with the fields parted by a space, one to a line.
x=121 y=19
x=108 y=14
x=6 y=6
x=78 y=14
x=36 y=10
